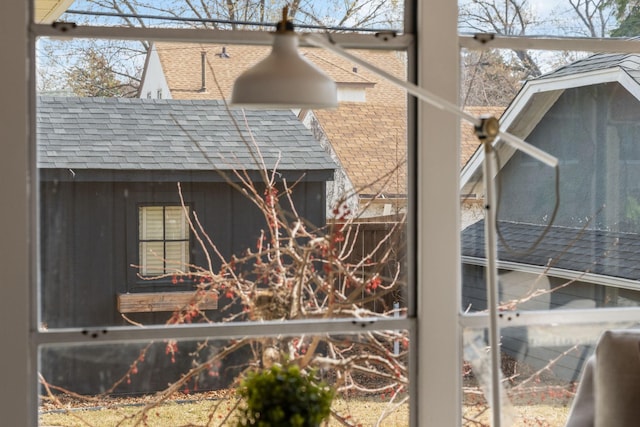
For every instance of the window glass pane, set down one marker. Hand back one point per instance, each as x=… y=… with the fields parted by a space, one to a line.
x=541 y=367
x=152 y=258
x=565 y=241
x=542 y=17
x=196 y=382
x=216 y=14
x=296 y=214
x=176 y=226
x=163 y=225
x=176 y=254
x=151 y=223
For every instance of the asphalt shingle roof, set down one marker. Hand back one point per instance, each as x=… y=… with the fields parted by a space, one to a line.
x=599 y=61
x=145 y=134
x=600 y=252
x=182 y=66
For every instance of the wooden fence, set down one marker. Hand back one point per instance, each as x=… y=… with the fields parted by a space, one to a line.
x=373 y=240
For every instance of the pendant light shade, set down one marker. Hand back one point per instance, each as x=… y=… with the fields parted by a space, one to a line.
x=284 y=79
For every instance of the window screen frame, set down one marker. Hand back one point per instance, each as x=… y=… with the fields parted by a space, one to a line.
x=436 y=318
x=41 y=337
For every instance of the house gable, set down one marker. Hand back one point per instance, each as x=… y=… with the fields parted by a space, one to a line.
x=589 y=121
x=598 y=163
x=153 y=84
x=537 y=96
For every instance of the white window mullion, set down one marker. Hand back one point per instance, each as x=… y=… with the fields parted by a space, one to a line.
x=346 y=40
x=221 y=330
x=585 y=44
x=18 y=400
x=438 y=259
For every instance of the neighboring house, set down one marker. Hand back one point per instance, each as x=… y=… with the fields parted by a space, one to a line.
x=588 y=115
x=366 y=134
x=109 y=202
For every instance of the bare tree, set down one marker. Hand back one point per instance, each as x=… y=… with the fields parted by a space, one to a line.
x=596 y=16
x=591 y=18
x=247 y=14
x=507 y=17
x=94 y=75
x=109 y=68
x=489 y=79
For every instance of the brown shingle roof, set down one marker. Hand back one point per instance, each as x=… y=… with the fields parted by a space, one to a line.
x=183 y=70
x=371 y=142
x=368 y=137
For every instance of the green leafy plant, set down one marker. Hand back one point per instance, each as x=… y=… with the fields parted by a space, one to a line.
x=284 y=396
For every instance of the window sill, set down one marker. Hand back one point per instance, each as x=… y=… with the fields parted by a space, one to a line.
x=148 y=302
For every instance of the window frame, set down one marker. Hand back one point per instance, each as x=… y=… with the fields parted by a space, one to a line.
x=17 y=165
x=435 y=316
x=139 y=241
x=158 y=194
x=201 y=331
x=22 y=152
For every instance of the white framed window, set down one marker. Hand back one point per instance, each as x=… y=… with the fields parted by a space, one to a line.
x=163 y=239
x=434 y=314
x=228 y=235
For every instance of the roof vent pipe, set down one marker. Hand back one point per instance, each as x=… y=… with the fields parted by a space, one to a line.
x=203 y=61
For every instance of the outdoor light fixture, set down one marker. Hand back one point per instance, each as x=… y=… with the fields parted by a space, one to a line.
x=284 y=79
x=282 y=89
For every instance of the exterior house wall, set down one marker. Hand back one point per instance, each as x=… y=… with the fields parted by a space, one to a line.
x=154 y=84
x=471 y=211
x=533 y=348
x=599 y=159
x=89 y=250
x=83 y=222
x=341 y=184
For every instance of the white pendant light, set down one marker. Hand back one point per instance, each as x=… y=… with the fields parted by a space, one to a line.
x=284 y=79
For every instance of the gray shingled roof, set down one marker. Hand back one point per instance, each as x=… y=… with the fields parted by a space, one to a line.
x=600 y=61
x=595 y=251
x=147 y=134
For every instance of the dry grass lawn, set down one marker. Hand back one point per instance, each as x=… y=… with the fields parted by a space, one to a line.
x=213 y=412
x=361 y=411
